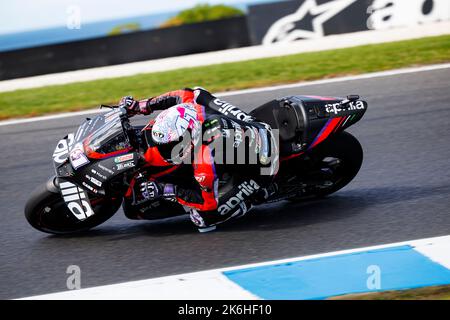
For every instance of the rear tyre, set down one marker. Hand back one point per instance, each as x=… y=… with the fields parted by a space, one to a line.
x=341 y=157
x=46 y=211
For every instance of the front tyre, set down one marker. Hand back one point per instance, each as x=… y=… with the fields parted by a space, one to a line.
x=46 y=211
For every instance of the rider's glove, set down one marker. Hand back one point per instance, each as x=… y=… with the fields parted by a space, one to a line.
x=152 y=190
x=131 y=105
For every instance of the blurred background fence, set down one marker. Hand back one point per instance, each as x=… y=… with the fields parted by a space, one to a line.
x=78 y=45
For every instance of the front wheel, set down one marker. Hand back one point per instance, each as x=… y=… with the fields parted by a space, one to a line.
x=46 y=211
x=337 y=161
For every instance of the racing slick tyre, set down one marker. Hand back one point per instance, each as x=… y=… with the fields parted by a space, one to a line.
x=46 y=211
x=341 y=157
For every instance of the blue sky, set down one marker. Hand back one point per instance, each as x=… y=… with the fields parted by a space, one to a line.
x=27 y=15
x=30 y=23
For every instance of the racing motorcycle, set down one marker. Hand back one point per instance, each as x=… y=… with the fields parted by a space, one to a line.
x=98 y=166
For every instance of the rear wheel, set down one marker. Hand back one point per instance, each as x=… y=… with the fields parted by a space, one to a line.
x=46 y=211
x=337 y=162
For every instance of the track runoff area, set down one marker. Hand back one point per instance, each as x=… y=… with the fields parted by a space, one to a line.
x=396 y=266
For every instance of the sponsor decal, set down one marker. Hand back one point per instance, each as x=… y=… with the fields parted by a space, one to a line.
x=94 y=180
x=61 y=152
x=284 y=30
x=124 y=158
x=100 y=166
x=238 y=136
x=238 y=133
x=200 y=178
x=246 y=189
x=157 y=134
x=98 y=174
x=386 y=14
x=77 y=156
x=338 y=108
x=89 y=187
x=126 y=165
x=312 y=19
x=75 y=199
x=227 y=109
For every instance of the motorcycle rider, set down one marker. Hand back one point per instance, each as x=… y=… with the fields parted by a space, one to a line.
x=187 y=131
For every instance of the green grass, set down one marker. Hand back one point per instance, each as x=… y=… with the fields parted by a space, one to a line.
x=426 y=293
x=229 y=76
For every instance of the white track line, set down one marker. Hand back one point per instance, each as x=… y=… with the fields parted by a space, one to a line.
x=414 y=243
x=211 y=284
x=341 y=79
x=52 y=117
x=255 y=90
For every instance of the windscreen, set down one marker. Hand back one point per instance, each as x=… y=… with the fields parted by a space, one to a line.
x=107 y=139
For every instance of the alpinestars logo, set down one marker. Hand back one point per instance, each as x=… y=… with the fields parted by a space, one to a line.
x=227 y=109
x=284 y=30
x=336 y=107
x=246 y=189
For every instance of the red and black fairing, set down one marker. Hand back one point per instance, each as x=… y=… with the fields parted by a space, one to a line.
x=306 y=121
x=327 y=116
x=89 y=162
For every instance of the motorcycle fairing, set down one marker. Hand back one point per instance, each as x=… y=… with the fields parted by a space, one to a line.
x=306 y=121
x=93 y=176
x=76 y=199
x=326 y=116
x=79 y=174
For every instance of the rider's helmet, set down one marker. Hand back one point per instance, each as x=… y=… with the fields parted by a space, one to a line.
x=174 y=132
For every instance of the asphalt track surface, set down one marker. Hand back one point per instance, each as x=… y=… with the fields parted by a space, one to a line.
x=401 y=193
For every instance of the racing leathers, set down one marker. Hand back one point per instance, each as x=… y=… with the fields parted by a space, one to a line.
x=230 y=137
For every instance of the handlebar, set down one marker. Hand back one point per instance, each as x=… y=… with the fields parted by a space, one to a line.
x=126 y=125
x=109 y=107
